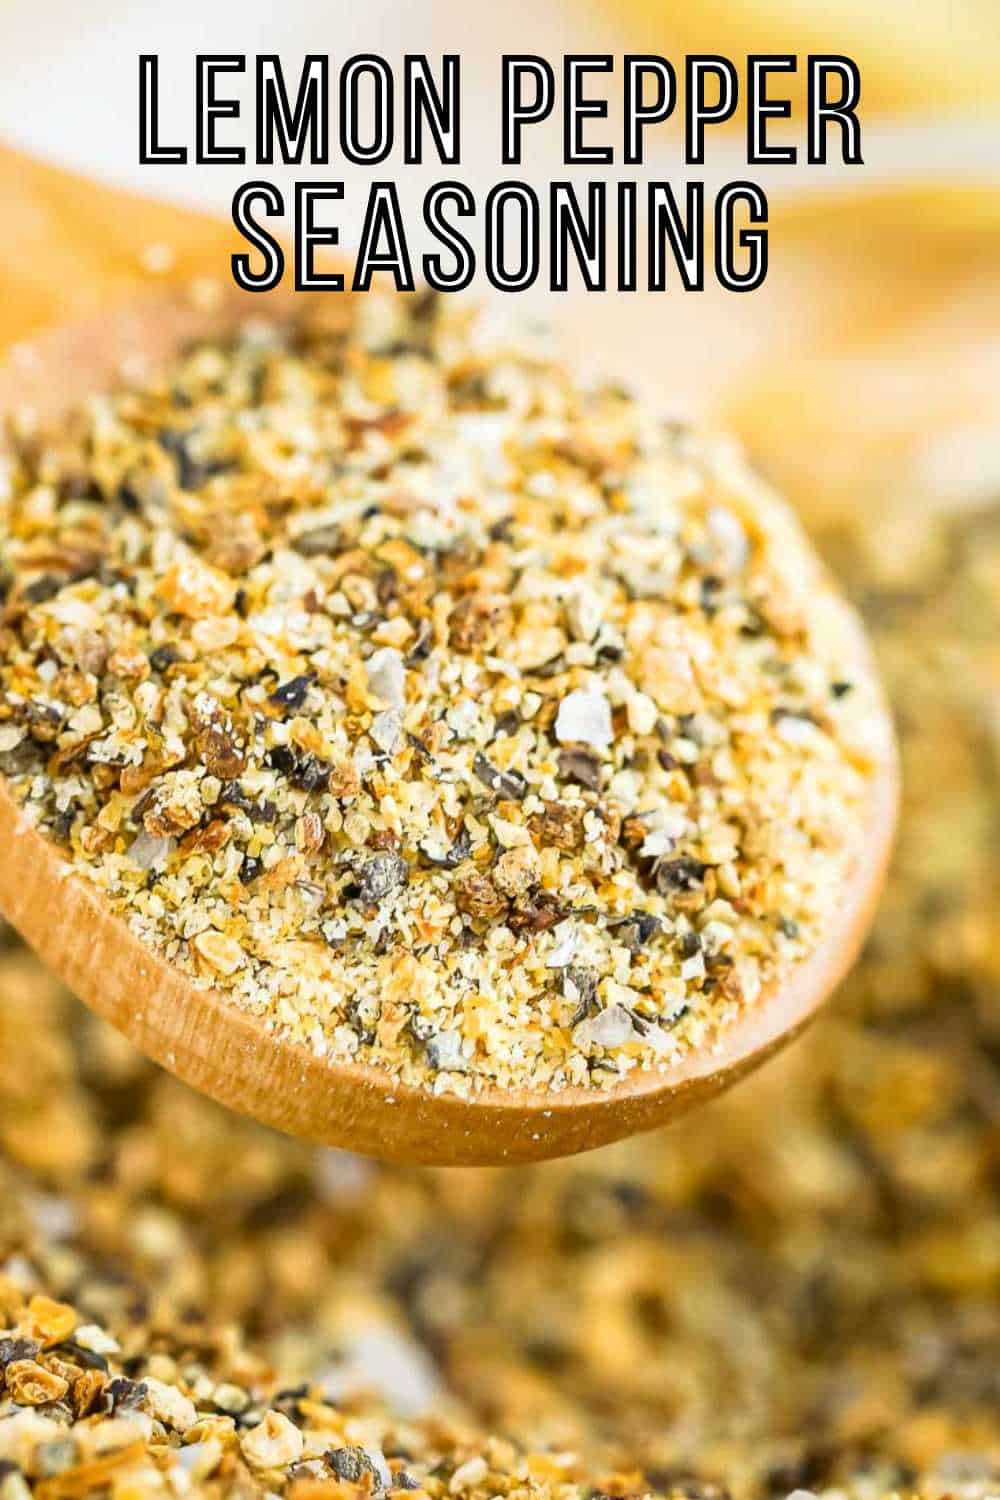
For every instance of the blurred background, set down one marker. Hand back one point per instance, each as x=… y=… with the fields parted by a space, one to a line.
x=798 y=1288
x=857 y=253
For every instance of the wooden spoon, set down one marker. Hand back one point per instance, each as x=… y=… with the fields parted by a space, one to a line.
x=228 y=1054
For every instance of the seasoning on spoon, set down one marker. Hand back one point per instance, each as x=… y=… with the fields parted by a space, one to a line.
x=446 y=714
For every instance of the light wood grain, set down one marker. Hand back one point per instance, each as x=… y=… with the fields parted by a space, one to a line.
x=71 y=246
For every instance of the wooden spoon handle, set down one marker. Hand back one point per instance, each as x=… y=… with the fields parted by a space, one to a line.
x=72 y=245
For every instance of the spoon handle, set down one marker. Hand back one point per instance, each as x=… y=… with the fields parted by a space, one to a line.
x=72 y=244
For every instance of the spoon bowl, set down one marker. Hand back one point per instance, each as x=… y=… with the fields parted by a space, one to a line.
x=232 y=1056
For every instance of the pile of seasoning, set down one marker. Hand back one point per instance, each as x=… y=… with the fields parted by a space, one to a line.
x=446 y=713
x=792 y=1293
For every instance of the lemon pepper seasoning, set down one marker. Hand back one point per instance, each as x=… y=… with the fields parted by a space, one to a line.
x=385 y=680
